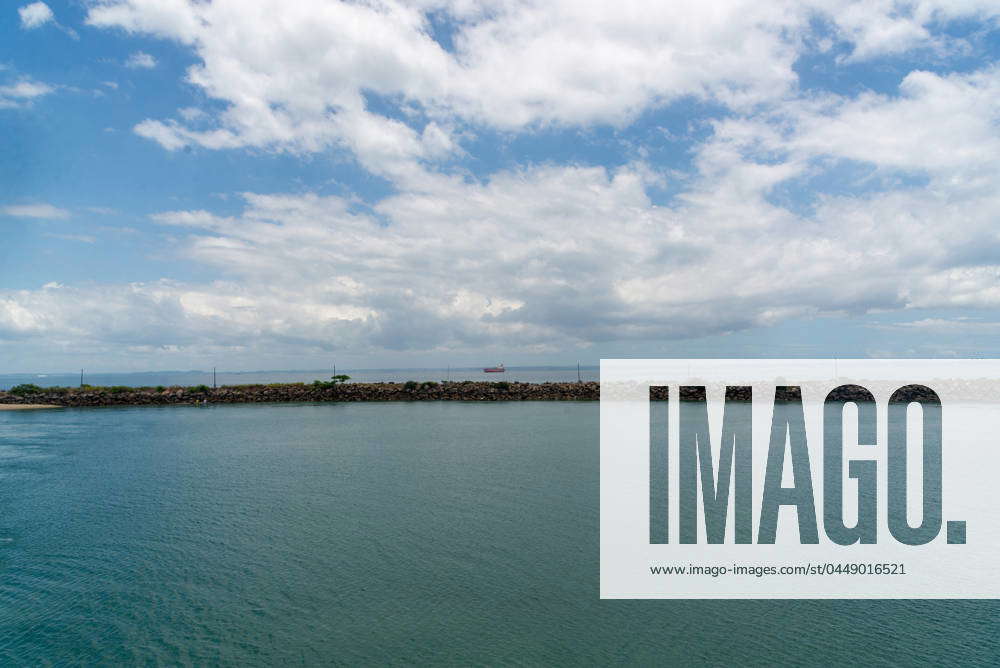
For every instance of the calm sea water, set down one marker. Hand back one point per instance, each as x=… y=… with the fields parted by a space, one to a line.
x=450 y=533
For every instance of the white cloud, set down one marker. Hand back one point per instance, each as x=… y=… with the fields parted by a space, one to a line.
x=21 y=93
x=302 y=83
x=140 y=60
x=937 y=124
x=200 y=219
x=38 y=14
x=82 y=238
x=961 y=325
x=191 y=114
x=547 y=257
x=41 y=211
x=557 y=255
x=890 y=27
x=25 y=89
x=35 y=15
x=310 y=81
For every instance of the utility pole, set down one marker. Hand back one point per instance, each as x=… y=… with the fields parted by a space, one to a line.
x=81 y=377
x=215 y=383
x=578 y=373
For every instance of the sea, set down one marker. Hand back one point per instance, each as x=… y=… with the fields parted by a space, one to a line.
x=521 y=374
x=445 y=533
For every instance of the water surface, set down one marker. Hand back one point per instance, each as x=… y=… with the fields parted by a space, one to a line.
x=453 y=533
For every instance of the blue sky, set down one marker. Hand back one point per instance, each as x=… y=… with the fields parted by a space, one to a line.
x=250 y=185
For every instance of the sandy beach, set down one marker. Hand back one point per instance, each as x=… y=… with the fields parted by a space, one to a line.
x=26 y=407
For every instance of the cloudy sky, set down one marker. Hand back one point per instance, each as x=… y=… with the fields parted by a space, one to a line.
x=272 y=184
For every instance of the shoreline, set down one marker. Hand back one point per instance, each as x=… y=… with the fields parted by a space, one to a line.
x=28 y=407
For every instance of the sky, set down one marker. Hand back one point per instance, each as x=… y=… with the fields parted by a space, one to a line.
x=263 y=184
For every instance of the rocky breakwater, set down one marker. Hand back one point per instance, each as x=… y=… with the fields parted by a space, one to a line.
x=409 y=391
x=301 y=392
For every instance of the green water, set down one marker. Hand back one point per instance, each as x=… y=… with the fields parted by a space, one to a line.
x=359 y=534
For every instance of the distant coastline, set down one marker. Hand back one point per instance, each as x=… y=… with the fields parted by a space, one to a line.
x=192 y=378
x=302 y=392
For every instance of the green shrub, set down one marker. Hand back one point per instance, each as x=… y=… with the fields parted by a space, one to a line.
x=25 y=389
x=428 y=385
x=330 y=384
x=503 y=386
x=200 y=389
x=411 y=385
x=119 y=389
x=160 y=389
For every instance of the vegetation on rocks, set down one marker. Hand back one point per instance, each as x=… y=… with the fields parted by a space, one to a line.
x=333 y=382
x=25 y=389
x=338 y=389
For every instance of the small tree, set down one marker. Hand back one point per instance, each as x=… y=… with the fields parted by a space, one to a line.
x=332 y=383
x=25 y=389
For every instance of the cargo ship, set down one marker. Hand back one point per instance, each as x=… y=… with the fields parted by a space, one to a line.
x=494 y=369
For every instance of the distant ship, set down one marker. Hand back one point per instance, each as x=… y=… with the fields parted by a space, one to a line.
x=494 y=369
